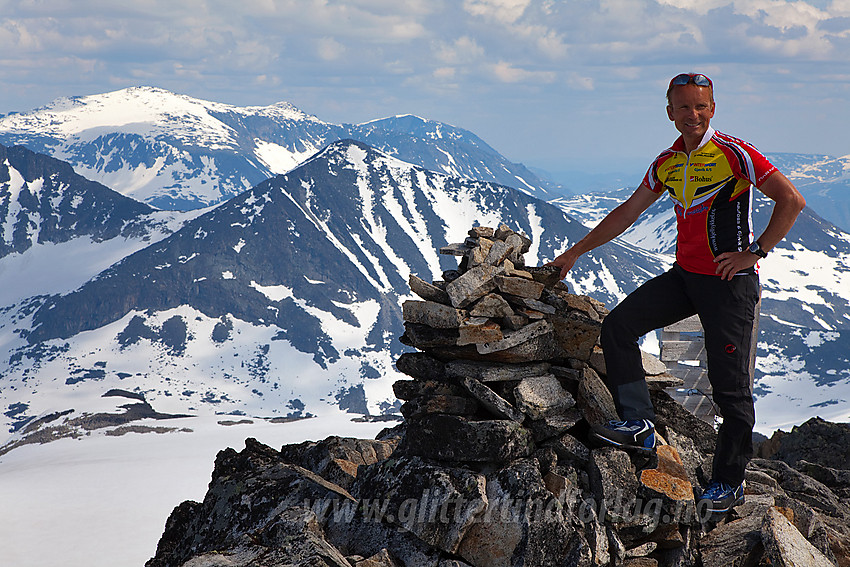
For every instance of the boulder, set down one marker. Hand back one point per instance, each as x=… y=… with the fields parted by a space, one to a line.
x=337 y=458
x=817 y=441
x=736 y=544
x=491 y=305
x=785 y=546
x=496 y=441
x=539 y=396
x=523 y=524
x=248 y=492
x=436 y=503
x=594 y=399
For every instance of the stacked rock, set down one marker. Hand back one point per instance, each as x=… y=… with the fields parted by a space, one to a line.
x=506 y=351
x=507 y=374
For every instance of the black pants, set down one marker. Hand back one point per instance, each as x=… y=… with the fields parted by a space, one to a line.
x=728 y=311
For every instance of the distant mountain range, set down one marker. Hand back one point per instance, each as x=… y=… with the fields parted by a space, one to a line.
x=285 y=298
x=178 y=153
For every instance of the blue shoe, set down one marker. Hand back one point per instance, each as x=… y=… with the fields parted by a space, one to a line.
x=721 y=497
x=638 y=434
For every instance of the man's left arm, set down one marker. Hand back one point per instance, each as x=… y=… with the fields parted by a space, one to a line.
x=788 y=202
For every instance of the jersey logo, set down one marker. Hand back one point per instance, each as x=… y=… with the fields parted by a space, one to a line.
x=695 y=192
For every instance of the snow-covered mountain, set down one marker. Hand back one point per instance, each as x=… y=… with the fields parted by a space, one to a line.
x=282 y=301
x=176 y=152
x=804 y=341
x=285 y=299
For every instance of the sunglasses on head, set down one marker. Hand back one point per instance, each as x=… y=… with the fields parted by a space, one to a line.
x=698 y=79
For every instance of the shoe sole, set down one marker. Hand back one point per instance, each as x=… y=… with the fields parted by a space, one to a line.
x=624 y=446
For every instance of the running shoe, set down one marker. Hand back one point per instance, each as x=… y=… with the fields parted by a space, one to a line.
x=721 y=497
x=638 y=434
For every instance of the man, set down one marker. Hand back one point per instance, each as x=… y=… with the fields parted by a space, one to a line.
x=709 y=176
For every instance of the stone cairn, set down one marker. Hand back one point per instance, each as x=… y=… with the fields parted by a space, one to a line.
x=492 y=465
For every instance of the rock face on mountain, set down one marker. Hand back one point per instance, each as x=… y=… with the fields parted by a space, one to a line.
x=493 y=466
x=43 y=200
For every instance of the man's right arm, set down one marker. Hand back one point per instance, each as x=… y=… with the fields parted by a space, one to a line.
x=610 y=227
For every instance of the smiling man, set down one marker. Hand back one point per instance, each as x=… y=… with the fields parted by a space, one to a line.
x=710 y=178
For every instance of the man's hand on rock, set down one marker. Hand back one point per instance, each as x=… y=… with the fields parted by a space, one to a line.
x=565 y=261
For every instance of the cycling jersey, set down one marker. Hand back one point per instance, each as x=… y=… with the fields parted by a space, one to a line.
x=711 y=189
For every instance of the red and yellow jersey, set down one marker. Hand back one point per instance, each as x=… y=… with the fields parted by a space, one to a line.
x=711 y=189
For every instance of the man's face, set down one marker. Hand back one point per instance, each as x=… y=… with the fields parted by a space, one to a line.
x=691 y=109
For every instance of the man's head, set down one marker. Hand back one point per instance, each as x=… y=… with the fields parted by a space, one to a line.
x=690 y=105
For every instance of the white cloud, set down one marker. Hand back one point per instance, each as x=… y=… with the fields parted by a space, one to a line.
x=504 y=11
x=507 y=73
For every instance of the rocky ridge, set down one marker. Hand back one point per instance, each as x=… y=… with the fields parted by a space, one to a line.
x=493 y=466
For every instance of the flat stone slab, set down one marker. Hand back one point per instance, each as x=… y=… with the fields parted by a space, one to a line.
x=595 y=399
x=529 y=303
x=519 y=287
x=438 y=403
x=473 y=285
x=433 y=314
x=479 y=330
x=409 y=389
x=552 y=426
x=498 y=253
x=570 y=449
x=456 y=249
x=492 y=401
x=577 y=334
x=427 y=291
x=512 y=339
x=426 y=337
x=495 y=372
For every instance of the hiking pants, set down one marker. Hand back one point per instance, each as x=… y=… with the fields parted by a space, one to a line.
x=727 y=310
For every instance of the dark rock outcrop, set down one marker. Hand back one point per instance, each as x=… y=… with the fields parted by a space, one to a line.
x=493 y=465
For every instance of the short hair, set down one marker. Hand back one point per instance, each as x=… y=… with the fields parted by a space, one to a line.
x=691 y=78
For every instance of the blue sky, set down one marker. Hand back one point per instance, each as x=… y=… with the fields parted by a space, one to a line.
x=555 y=84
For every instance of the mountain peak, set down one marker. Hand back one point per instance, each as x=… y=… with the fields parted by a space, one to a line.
x=143 y=109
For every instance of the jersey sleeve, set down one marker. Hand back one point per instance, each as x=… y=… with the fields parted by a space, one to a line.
x=651 y=180
x=746 y=159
